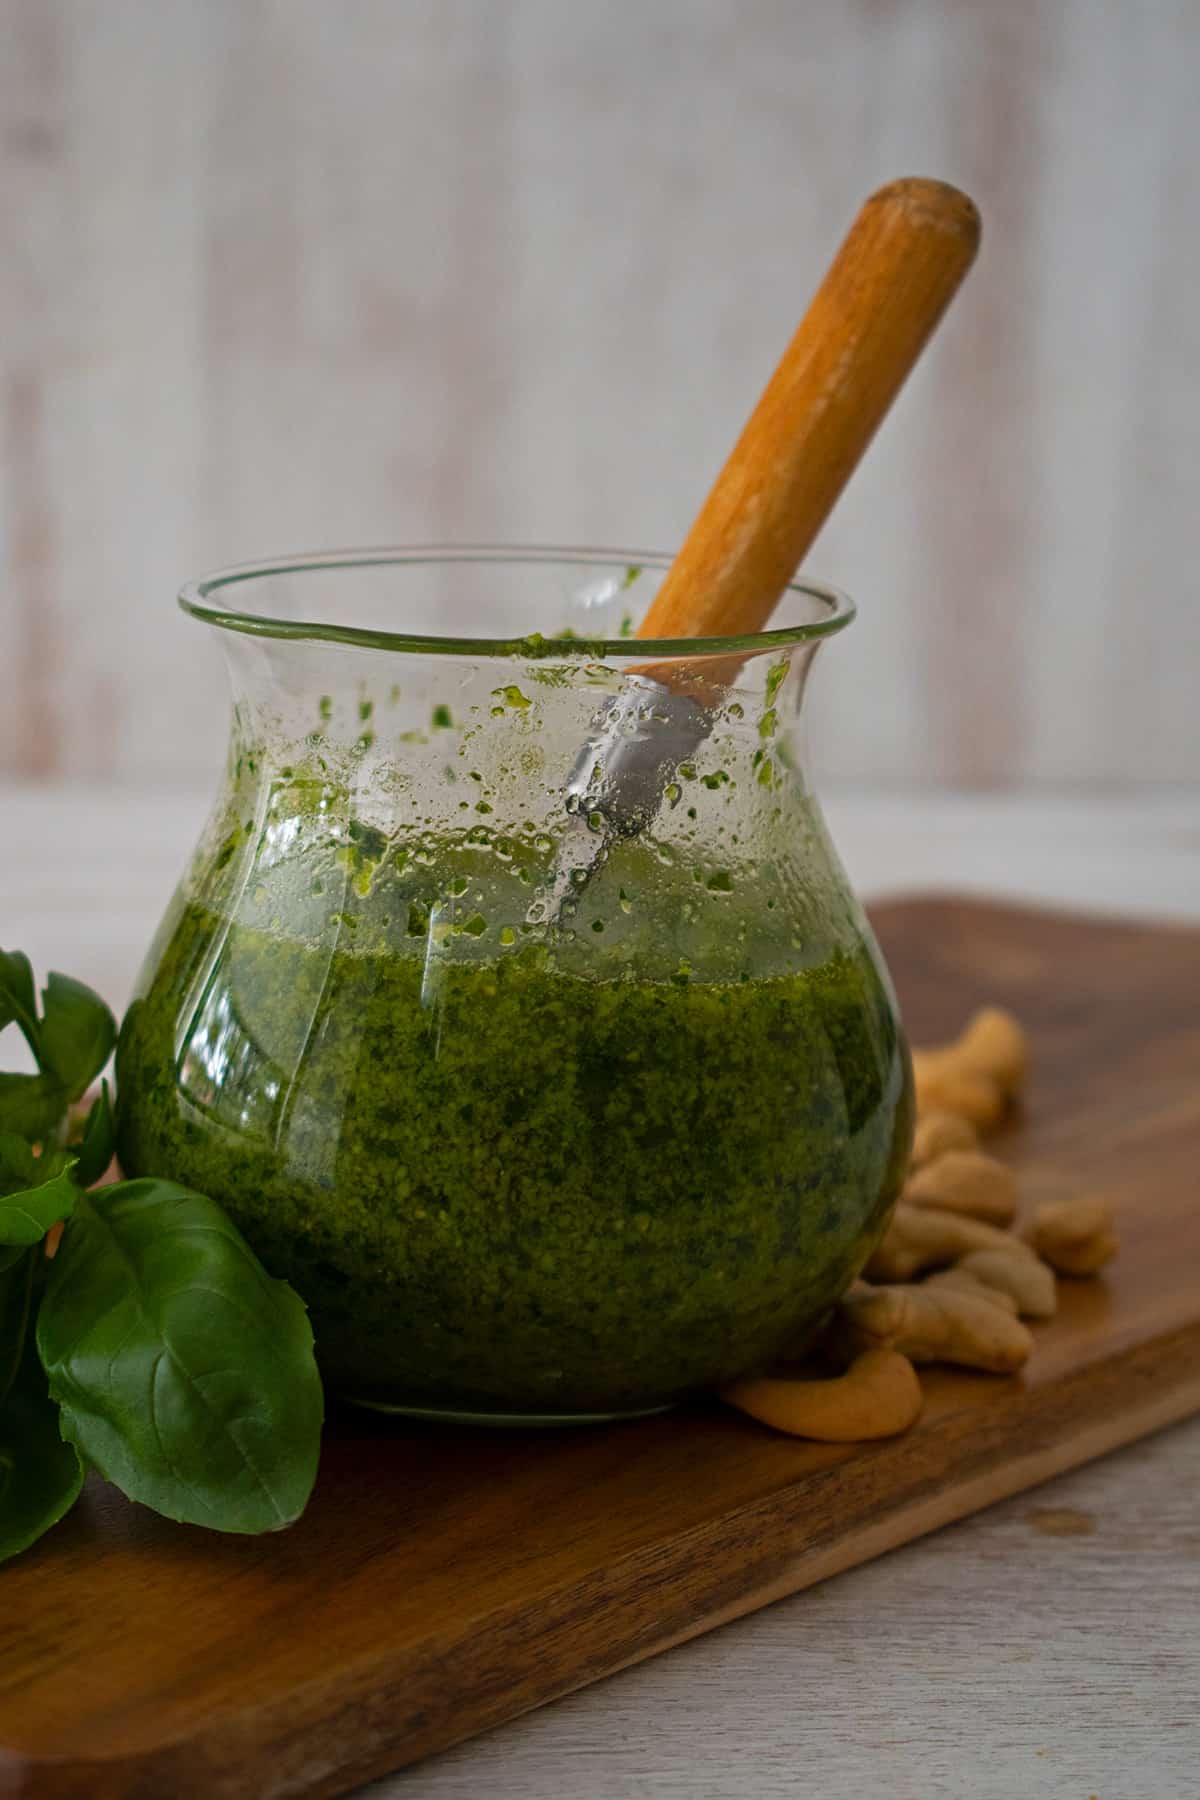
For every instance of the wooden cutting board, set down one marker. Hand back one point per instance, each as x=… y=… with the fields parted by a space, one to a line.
x=444 y=1580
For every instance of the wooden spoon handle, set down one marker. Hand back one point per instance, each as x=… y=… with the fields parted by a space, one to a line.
x=903 y=259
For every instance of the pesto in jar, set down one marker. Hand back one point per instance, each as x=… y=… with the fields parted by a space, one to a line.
x=555 y=1192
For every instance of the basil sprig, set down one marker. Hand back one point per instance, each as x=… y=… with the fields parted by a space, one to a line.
x=71 y=1041
x=139 y=1333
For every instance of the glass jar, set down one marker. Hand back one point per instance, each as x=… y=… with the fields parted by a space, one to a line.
x=547 y=1108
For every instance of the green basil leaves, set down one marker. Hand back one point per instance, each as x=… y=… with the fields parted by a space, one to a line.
x=40 y=1475
x=139 y=1333
x=39 y=1193
x=184 y=1373
x=71 y=1042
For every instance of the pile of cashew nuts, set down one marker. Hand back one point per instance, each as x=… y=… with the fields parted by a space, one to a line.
x=953 y=1279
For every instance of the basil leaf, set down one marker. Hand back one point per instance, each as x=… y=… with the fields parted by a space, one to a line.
x=27 y=1215
x=40 y=1475
x=185 y=1373
x=18 y=1284
x=32 y=1106
x=17 y=1003
x=18 y=1164
x=97 y=1147
x=77 y=1034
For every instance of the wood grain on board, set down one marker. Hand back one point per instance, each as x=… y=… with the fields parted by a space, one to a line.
x=444 y=1580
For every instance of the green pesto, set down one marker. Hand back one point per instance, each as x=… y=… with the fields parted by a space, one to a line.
x=552 y=1194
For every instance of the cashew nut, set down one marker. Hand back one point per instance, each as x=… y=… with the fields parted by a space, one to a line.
x=878 y=1396
x=925 y=1237
x=942 y=1087
x=938 y=1325
x=1076 y=1237
x=958 y=1280
x=939 y=1132
x=979 y=1073
x=1026 y=1279
x=965 y=1181
x=994 y=1044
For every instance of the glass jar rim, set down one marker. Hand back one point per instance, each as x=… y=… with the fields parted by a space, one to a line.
x=199 y=599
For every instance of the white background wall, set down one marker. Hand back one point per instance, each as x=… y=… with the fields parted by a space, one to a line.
x=278 y=274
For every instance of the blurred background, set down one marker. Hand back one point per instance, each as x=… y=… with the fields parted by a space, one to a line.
x=286 y=274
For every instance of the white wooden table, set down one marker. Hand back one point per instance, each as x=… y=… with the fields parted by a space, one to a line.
x=1048 y=1647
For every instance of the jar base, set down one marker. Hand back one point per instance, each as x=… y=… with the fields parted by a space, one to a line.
x=452 y=1415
